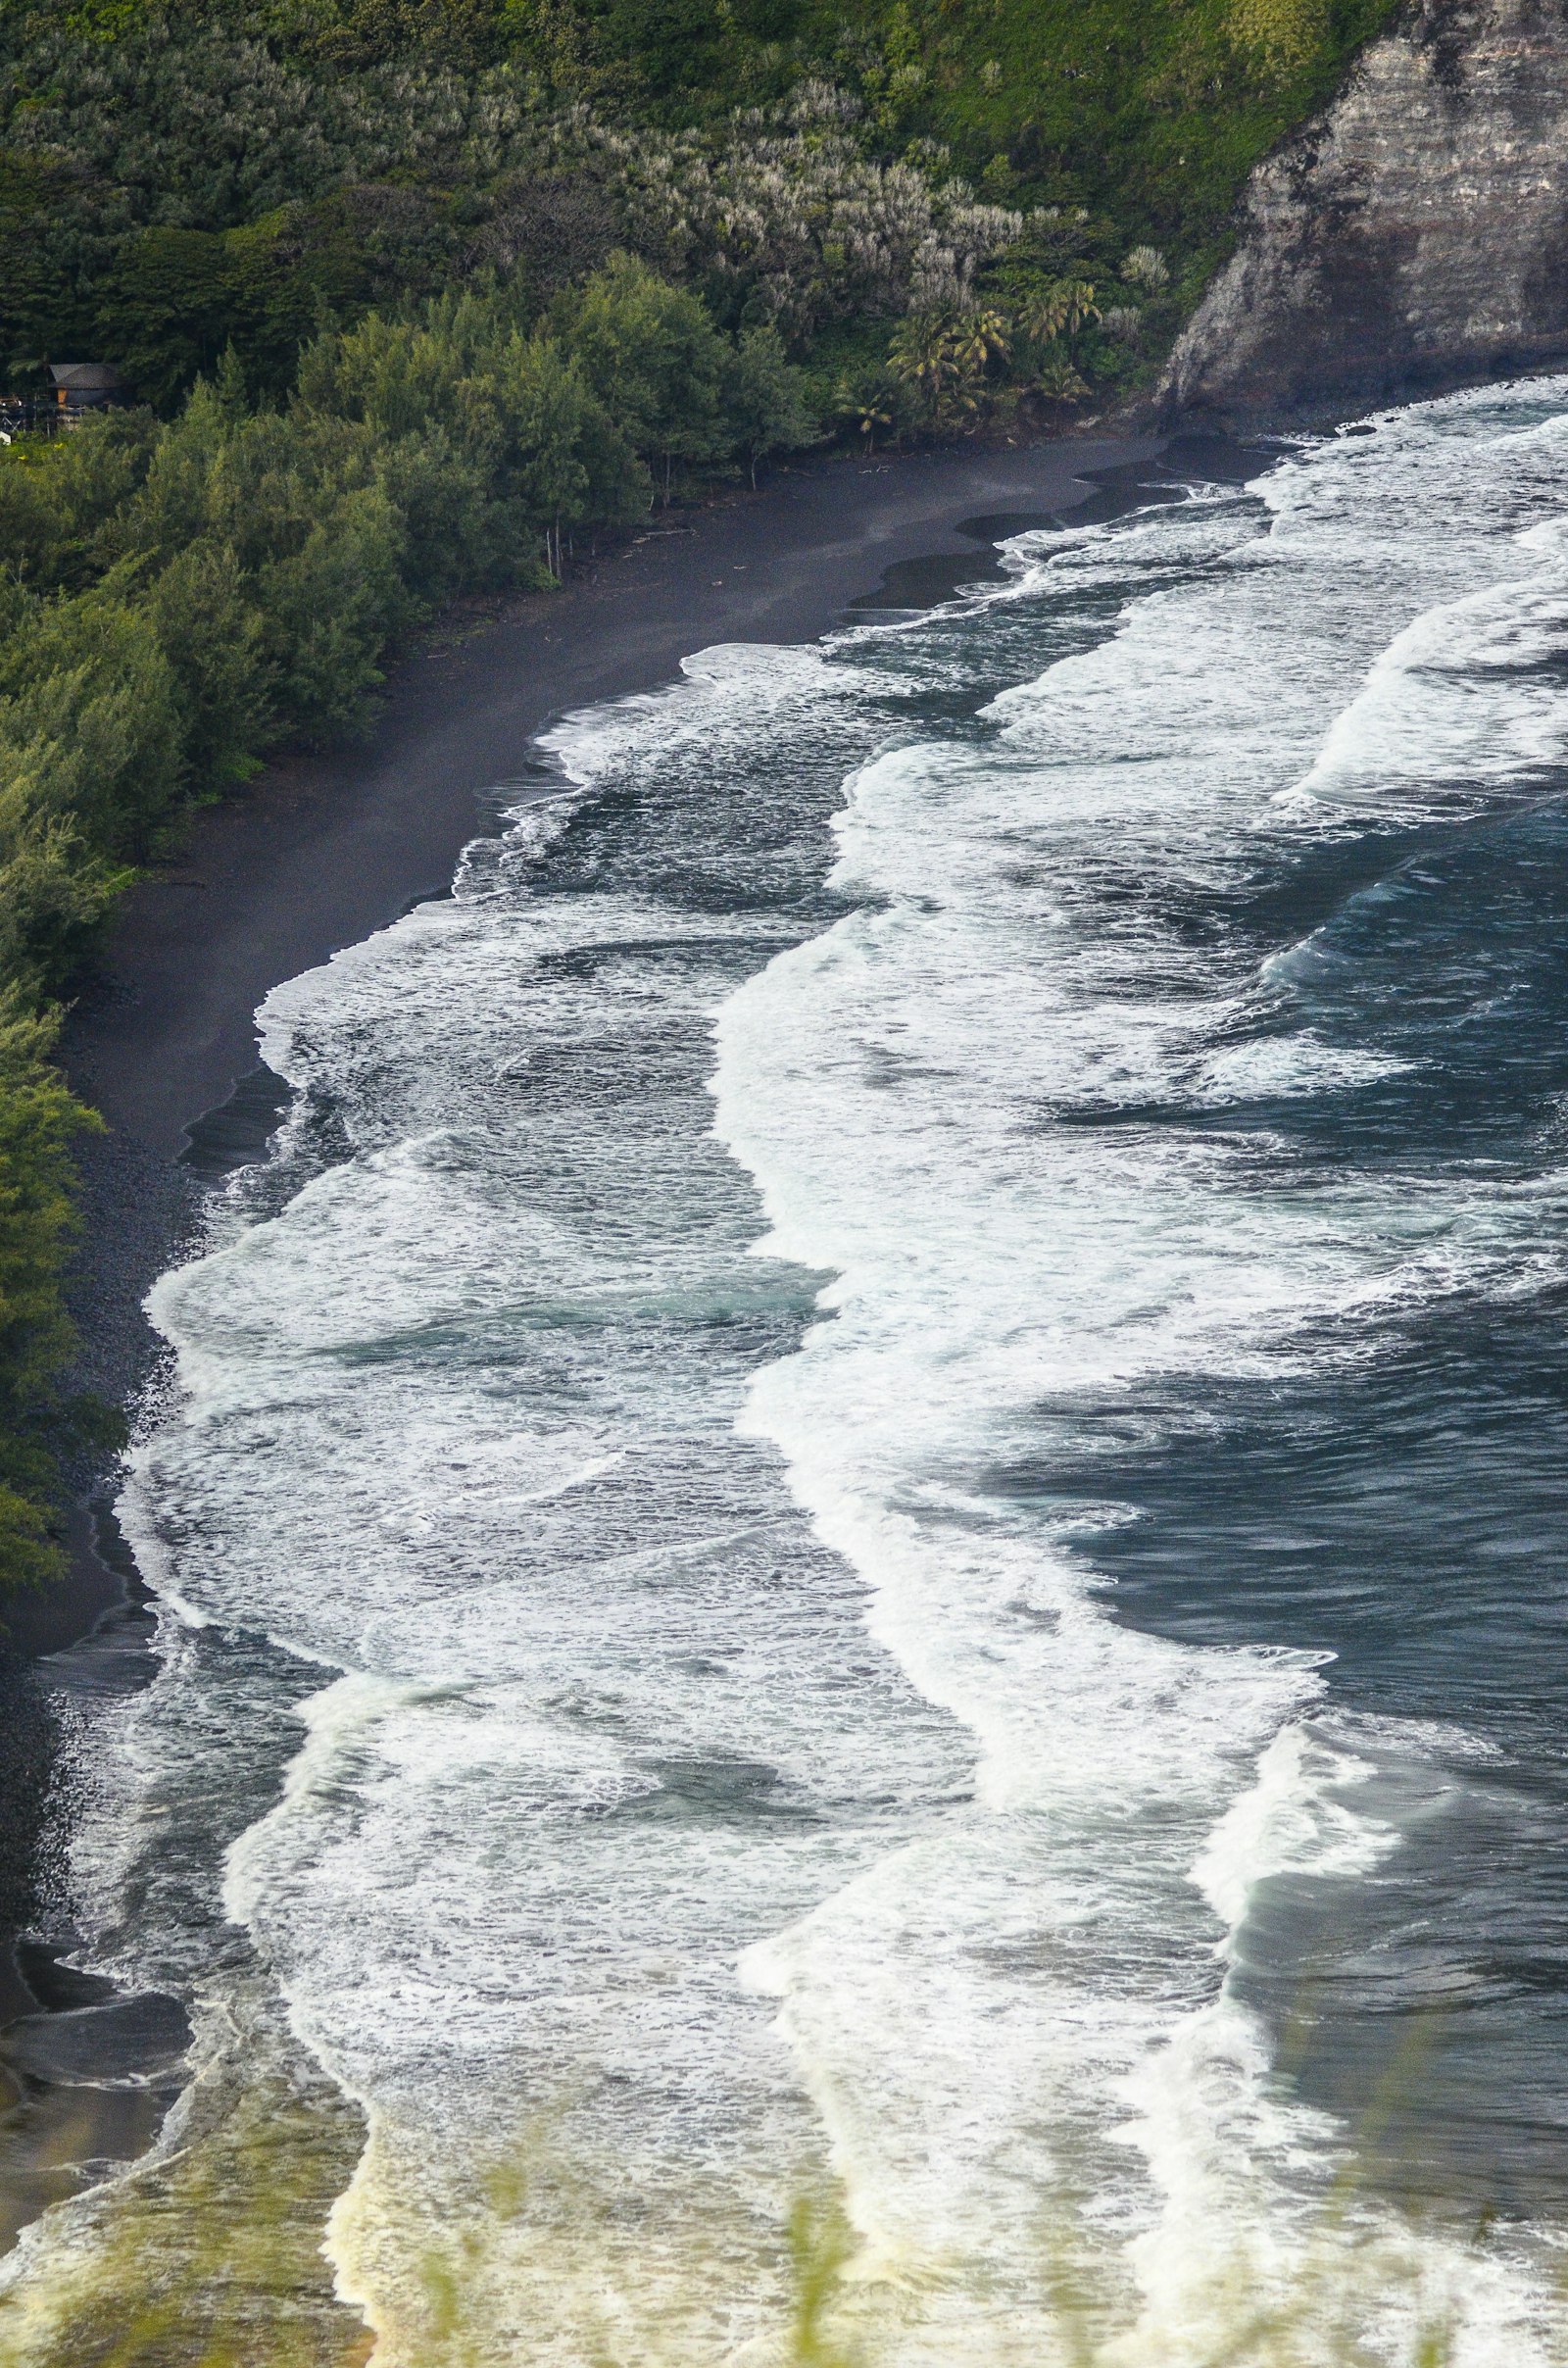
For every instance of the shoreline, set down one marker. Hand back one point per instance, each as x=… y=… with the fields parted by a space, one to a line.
x=326 y=848
x=320 y=853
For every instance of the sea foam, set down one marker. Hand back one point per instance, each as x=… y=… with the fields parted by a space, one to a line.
x=646 y=1701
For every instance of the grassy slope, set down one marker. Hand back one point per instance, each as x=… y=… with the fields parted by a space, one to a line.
x=1155 y=111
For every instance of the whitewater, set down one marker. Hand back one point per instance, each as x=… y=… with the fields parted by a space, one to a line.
x=860 y=1535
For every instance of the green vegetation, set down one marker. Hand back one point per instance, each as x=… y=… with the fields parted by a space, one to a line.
x=38 y=1119
x=183 y=595
x=409 y=293
x=178 y=178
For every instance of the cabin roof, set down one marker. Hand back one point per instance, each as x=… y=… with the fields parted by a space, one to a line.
x=85 y=376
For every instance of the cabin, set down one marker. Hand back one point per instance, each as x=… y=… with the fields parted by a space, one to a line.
x=75 y=388
x=80 y=387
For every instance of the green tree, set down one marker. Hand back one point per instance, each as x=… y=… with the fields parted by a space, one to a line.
x=874 y=401
x=91 y=725
x=651 y=355
x=980 y=336
x=455 y=534
x=921 y=357
x=59 y=494
x=1058 y=379
x=537 y=419
x=165 y=310
x=328 y=608
x=52 y=887
x=38 y=1121
x=211 y=632
x=764 y=399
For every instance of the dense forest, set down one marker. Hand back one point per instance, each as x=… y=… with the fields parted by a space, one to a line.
x=410 y=295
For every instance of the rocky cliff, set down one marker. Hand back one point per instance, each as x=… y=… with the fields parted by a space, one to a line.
x=1413 y=235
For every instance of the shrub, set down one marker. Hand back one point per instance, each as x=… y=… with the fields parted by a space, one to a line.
x=38 y=1120
x=179 y=597
x=651 y=354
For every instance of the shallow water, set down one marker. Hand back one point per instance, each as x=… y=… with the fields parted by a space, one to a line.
x=870 y=1505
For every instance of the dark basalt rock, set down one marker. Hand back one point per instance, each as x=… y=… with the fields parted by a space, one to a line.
x=1412 y=236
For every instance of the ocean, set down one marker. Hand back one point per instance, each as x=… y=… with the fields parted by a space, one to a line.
x=861 y=1535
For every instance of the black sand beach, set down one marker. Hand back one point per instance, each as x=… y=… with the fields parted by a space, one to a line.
x=319 y=852
x=322 y=850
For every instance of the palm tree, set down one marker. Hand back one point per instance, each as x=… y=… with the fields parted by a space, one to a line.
x=1061 y=310
x=924 y=353
x=865 y=405
x=979 y=338
x=945 y=356
x=1058 y=381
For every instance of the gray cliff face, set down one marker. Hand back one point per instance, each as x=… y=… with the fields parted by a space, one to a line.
x=1414 y=235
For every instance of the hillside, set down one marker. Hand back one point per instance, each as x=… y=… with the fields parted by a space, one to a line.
x=172 y=180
